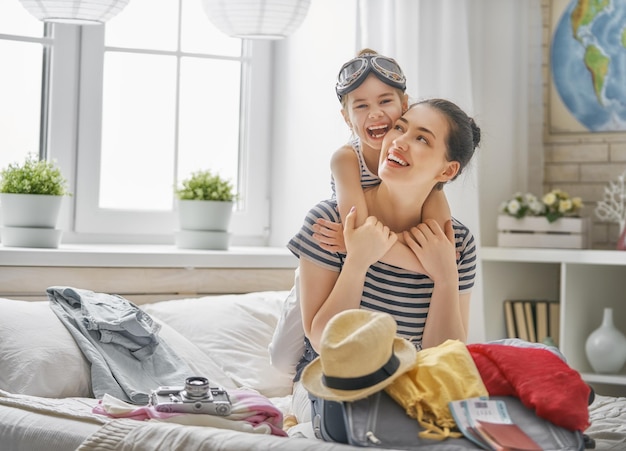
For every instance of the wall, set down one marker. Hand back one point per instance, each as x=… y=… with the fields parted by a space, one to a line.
x=582 y=164
x=308 y=125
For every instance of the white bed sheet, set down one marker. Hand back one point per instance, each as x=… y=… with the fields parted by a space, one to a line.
x=224 y=337
x=31 y=423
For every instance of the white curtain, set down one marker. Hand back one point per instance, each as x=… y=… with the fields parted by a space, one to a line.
x=431 y=41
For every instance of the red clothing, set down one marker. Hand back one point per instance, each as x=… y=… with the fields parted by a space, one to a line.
x=539 y=378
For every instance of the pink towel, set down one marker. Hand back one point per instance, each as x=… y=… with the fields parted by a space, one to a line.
x=247 y=406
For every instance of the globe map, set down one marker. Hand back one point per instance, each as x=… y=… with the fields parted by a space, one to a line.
x=588 y=62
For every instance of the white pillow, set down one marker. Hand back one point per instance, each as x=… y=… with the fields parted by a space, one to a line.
x=235 y=331
x=38 y=356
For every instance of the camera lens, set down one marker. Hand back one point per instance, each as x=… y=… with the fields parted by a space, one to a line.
x=196 y=387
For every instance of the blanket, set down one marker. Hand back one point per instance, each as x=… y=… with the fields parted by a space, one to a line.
x=539 y=378
x=129 y=435
x=250 y=412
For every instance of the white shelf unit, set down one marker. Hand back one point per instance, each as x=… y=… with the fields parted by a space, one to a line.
x=583 y=281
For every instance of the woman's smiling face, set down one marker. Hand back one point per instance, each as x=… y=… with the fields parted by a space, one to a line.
x=415 y=149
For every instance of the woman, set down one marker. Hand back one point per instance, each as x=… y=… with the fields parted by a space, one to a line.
x=429 y=145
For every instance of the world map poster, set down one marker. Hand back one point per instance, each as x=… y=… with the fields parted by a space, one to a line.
x=588 y=66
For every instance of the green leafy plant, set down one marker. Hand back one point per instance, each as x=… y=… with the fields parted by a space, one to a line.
x=206 y=185
x=552 y=205
x=33 y=176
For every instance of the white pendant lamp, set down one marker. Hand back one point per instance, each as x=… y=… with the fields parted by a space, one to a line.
x=257 y=19
x=80 y=12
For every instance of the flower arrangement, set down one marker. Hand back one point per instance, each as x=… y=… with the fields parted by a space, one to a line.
x=33 y=176
x=552 y=205
x=205 y=185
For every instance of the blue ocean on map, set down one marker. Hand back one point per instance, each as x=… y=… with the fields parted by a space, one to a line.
x=574 y=81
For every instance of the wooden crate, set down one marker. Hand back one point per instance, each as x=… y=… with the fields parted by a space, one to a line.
x=564 y=233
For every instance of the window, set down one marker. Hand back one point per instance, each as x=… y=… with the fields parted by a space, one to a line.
x=23 y=47
x=140 y=103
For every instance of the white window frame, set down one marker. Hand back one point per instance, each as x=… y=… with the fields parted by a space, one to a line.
x=74 y=141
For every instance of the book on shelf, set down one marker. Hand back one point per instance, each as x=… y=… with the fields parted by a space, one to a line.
x=554 y=321
x=487 y=423
x=520 y=320
x=541 y=315
x=509 y=319
x=532 y=320
x=529 y=314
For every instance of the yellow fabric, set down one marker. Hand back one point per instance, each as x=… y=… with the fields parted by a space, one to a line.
x=442 y=374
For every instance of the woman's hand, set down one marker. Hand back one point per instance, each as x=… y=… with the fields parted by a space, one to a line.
x=435 y=249
x=329 y=235
x=367 y=243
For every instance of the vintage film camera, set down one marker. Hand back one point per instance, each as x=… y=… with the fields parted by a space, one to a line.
x=197 y=396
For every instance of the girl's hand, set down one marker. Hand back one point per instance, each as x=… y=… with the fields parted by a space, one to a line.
x=329 y=235
x=368 y=243
x=435 y=249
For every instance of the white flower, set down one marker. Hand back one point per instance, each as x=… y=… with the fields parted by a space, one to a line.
x=537 y=208
x=553 y=205
x=549 y=198
x=513 y=206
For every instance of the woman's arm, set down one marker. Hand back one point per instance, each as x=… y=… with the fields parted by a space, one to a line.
x=448 y=314
x=324 y=293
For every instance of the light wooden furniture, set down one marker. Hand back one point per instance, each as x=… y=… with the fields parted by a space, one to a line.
x=583 y=281
x=144 y=274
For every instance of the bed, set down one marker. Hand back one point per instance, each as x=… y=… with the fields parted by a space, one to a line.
x=45 y=389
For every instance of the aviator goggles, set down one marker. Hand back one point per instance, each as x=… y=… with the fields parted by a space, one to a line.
x=354 y=72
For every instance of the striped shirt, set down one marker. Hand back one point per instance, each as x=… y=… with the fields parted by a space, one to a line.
x=403 y=294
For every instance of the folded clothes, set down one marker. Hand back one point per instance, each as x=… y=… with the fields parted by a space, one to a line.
x=539 y=378
x=120 y=341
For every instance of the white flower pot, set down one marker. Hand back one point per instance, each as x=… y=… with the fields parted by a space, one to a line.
x=205 y=215
x=566 y=232
x=30 y=237
x=204 y=224
x=29 y=220
x=30 y=210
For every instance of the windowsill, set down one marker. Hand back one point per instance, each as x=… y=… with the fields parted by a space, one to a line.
x=162 y=256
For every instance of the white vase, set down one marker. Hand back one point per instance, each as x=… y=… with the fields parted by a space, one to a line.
x=606 y=346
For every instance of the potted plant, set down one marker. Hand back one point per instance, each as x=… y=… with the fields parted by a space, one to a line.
x=31 y=193
x=205 y=206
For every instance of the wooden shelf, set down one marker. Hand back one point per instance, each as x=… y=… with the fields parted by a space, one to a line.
x=583 y=281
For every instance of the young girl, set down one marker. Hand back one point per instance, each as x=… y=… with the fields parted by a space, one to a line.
x=371 y=89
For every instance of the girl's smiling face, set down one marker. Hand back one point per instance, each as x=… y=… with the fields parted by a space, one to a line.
x=415 y=149
x=371 y=110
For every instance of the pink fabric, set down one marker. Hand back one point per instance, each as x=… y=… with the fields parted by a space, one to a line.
x=248 y=406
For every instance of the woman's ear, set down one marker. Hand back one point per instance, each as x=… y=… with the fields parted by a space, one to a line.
x=450 y=171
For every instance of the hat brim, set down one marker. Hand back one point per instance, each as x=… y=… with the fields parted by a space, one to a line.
x=312 y=375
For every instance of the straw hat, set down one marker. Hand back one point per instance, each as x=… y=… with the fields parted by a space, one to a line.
x=360 y=354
